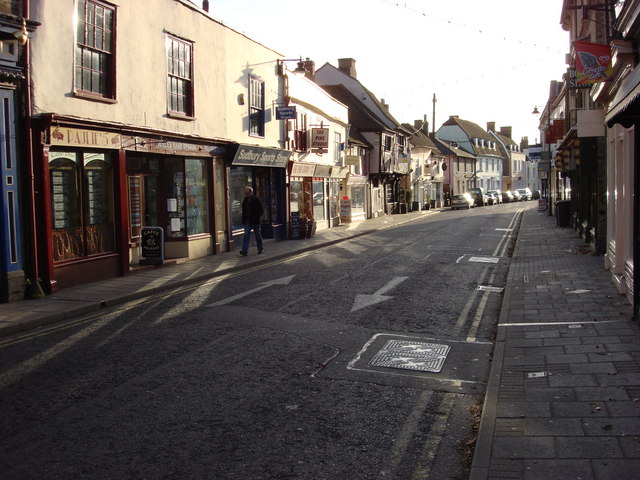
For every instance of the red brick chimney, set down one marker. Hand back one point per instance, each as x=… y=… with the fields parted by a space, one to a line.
x=506 y=131
x=348 y=66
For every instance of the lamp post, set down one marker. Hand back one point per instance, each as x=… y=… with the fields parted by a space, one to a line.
x=546 y=185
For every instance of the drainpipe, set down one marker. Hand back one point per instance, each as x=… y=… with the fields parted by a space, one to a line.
x=37 y=288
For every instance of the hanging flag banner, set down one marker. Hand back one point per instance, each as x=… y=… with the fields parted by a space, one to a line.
x=593 y=63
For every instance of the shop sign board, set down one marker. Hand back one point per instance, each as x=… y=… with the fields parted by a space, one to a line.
x=322 y=171
x=79 y=137
x=250 y=155
x=303 y=169
x=345 y=210
x=319 y=138
x=286 y=113
x=152 y=246
x=352 y=160
x=76 y=137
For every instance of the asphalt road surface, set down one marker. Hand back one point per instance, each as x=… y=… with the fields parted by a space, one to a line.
x=363 y=360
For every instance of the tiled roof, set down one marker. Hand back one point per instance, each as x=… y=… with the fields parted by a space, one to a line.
x=418 y=138
x=450 y=148
x=472 y=131
x=359 y=115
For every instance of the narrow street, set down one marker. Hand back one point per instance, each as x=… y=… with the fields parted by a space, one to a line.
x=363 y=360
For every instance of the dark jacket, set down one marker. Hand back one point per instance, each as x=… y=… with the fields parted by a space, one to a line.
x=251 y=210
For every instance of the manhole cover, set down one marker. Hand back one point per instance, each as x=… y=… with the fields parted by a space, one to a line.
x=425 y=357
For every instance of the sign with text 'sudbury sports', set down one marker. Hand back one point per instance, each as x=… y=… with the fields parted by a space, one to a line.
x=260 y=156
x=286 y=113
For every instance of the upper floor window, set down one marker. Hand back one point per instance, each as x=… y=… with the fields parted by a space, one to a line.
x=300 y=132
x=179 y=76
x=256 y=107
x=95 y=49
x=387 y=142
x=337 y=148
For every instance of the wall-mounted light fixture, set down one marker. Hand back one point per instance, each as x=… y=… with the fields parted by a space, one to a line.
x=22 y=35
x=241 y=99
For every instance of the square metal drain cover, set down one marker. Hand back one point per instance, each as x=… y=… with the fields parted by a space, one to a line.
x=425 y=357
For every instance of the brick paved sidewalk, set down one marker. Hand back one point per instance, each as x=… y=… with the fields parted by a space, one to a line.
x=563 y=398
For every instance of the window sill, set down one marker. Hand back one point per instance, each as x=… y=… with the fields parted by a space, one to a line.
x=181 y=116
x=94 y=97
x=255 y=135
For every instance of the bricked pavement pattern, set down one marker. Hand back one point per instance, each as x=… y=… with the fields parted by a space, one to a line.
x=563 y=399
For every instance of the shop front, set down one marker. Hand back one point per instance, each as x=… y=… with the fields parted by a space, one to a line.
x=100 y=188
x=263 y=169
x=356 y=192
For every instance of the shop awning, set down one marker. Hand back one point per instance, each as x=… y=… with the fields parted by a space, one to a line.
x=339 y=172
x=356 y=180
x=628 y=93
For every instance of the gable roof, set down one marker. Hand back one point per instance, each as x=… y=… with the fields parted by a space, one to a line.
x=418 y=138
x=452 y=149
x=359 y=115
x=472 y=131
x=383 y=108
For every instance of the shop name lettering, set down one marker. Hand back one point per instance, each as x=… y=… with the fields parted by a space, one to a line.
x=262 y=158
x=90 y=138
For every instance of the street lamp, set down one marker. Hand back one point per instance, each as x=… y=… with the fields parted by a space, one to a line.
x=546 y=185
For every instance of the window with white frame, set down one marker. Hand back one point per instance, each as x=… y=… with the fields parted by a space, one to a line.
x=256 y=106
x=95 y=49
x=337 y=148
x=179 y=76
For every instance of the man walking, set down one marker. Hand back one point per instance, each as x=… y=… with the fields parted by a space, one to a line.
x=251 y=212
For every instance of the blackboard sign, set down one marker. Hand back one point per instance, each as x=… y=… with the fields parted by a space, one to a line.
x=152 y=246
x=295 y=225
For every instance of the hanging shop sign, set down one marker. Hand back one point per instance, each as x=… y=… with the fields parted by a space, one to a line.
x=352 y=160
x=286 y=113
x=593 y=63
x=319 y=138
x=250 y=155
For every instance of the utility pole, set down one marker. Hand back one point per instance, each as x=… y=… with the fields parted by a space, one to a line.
x=433 y=118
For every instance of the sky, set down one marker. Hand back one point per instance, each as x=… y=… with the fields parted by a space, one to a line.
x=485 y=60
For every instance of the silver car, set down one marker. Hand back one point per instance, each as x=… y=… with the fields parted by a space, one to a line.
x=461 y=200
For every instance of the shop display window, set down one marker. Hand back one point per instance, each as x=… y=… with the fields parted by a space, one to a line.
x=81 y=196
x=240 y=178
x=197 y=196
x=334 y=196
x=318 y=199
x=175 y=189
x=357 y=196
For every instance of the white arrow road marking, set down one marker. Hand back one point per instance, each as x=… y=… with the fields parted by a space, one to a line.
x=363 y=301
x=263 y=285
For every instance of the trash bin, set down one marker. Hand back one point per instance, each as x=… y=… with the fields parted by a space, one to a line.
x=563 y=213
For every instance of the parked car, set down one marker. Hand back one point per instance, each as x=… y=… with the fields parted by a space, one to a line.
x=491 y=199
x=497 y=196
x=536 y=194
x=525 y=194
x=479 y=196
x=461 y=200
x=507 y=196
x=516 y=196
